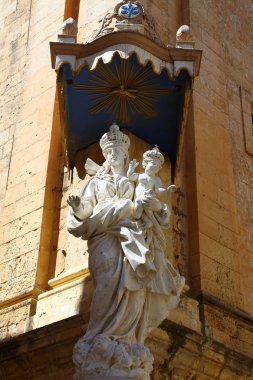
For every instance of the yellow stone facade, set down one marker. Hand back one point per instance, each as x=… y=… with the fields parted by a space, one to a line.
x=45 y=288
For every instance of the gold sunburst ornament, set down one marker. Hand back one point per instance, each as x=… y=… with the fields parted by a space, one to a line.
x=122 y=90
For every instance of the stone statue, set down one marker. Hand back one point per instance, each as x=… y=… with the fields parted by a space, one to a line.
x=135 y=285
x=148 y=184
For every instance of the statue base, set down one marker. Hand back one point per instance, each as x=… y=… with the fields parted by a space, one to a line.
x=107 y=358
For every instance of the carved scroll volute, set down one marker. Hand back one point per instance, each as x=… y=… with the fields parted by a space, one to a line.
x=128 y=16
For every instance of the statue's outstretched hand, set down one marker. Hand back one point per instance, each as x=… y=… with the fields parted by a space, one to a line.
x=74 y=201
x=82 y=210
x=133 y=165
x=172 y=188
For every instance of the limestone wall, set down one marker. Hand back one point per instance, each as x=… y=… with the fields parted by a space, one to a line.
x=220 y=181
x=224 y=155
x=27 y=86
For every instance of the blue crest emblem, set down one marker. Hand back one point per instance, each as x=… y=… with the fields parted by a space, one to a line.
x=129 y=10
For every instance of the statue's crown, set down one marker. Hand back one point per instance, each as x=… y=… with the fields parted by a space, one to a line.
x=114 y=138
x=154 y=153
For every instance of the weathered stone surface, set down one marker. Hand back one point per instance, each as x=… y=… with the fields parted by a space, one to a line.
x=27 y=94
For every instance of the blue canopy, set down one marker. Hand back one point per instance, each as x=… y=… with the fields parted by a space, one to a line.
x=124 y=91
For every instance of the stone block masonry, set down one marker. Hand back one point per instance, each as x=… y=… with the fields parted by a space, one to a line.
x=27 y=88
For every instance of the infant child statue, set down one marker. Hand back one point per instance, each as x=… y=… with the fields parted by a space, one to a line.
x=149 y=184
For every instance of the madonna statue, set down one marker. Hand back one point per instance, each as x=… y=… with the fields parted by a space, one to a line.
x=135 y=285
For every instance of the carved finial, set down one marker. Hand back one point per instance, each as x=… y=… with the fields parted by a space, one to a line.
x=69 y=27
x=183 y=34
x=184 y=38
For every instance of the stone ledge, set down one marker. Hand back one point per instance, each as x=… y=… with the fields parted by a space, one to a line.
x=23 y=297
x=237 y=313
x=69 y=277
x=71 y=295
x=47 y=351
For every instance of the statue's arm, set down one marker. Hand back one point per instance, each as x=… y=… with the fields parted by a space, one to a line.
x=159 y=188
x=131 y=174
x=81 y=206
x=81 y=209
x=133 y=177
x=161 y=210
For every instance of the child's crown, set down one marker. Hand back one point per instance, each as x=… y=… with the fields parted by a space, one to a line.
x=154 y=153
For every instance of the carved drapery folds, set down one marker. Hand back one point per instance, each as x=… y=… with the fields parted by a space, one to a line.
x=120 y=213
